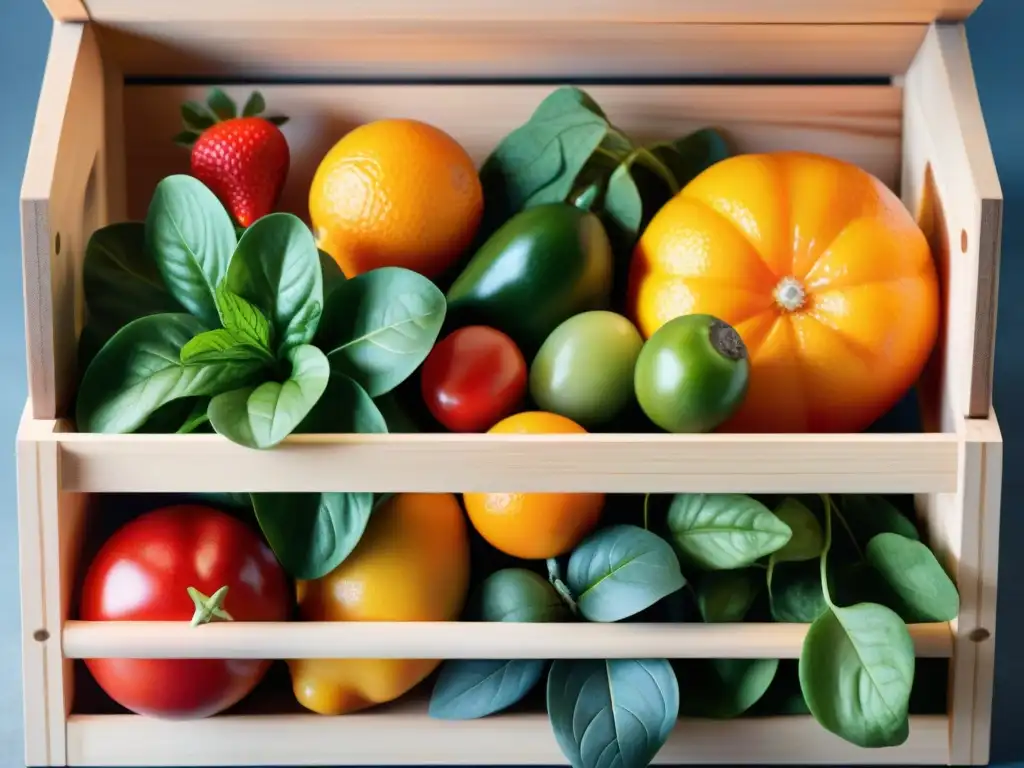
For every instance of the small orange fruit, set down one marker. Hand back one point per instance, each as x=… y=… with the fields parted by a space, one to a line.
x=534 y=526
x=396 y=193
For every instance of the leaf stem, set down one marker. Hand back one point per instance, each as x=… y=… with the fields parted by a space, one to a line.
x=586 y=199
x=566 y=594
x=849 y=531
x=824 y=550
x=651 y=161
x=647 y=500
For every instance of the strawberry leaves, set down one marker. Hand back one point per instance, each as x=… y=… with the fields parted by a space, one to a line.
x=219 y=107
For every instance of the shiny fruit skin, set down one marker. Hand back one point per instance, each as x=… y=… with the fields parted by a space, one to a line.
x=692 y=374
x=397 y=193
x=412 y=564
x=797 y=223
x=584 y=369
x=534 y=526
x=541 y=267
x=143 y=572
x=473 y=378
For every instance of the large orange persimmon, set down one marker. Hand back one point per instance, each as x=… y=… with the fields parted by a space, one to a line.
x=820 y=268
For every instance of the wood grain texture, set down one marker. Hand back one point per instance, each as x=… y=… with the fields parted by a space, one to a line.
x=858 y=123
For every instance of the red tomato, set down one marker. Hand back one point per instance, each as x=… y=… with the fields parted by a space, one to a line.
x=144 y=572
x=473 y=378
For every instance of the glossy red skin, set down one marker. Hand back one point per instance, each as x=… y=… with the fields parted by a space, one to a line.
x=142 y=573
x=473 y=378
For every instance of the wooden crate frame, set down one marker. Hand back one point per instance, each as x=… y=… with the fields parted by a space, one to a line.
x=923 y=133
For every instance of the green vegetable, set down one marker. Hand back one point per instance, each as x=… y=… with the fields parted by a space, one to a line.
x=725 y=530
x=807 y=539
x=922 y=590
x=724 y=688
x=726 y=596
x=545 y=265
x=584 y=369
x=795 y=590
x=692 y=374
x=868 y=515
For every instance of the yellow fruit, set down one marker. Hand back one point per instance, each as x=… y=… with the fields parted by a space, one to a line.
x=396 y=193
x=412 y=564
x=534 y=526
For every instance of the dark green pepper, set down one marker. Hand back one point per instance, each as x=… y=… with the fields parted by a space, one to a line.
x=544 y=265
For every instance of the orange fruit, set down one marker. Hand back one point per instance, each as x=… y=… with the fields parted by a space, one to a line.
x=397 y=193
x=534 y=526
x=819 y=267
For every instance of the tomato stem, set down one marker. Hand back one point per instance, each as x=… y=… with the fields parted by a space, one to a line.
x=209 y=608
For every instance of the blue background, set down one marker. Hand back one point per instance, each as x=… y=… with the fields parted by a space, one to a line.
x=994 y=33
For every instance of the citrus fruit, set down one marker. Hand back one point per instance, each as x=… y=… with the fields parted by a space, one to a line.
x=818 y=266
x=534 y=525
x=397 y=193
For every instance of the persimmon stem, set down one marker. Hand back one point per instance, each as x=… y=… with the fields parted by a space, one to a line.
x=209 y=608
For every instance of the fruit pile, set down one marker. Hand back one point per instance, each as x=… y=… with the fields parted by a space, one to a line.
x=576 y=282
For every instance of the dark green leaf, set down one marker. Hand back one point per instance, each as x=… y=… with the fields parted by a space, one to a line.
x=330 y=273
x=185 y=138
x=140 y=369
x=921 y=589
x=692 y=154
x=868 y=515
x=725 y=530
x=398 y=419
x=856 y=673
x=222 y=105
x=171 y=416
x=255 y=105
x=196 y=418
x=243 y=320
x=344 y=408
x=278 y=120
x=622 y=201
x=807 y=540
x=621 y=570
x=472 y=688
x=726 y=596
x=612 y=714
x=220 y=346
x=190 y=237
x=381 y=325
x=263 y=416
x=196 y=116
x=796 y=596
x=516 y=594
x=312 y=533
x=724 y=688
x=277 y=268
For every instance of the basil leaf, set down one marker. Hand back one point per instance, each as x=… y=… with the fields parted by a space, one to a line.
x=120 y=280
x=263 y=416
x=381 y=325
x=472 y=688
x=197 y=417
x=621 y=570
x=868 y=515
x=724 y=688
x=856 y=674
x=344 y=408
x=692 y=154
x=726 y=596
x=277 y=267
x=139 y=370
x=795 y=592
x=725 y=530
x=243 y=320
x=311 y=534
x=516 y=594
x=807 y=540
x=219 y=346
x=190 y=237
x=618 y=712
x=922 y=590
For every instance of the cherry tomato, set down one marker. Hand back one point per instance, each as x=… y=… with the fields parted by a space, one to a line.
x=171 y=564
x=473 y=378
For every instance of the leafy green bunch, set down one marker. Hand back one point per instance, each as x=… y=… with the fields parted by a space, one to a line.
x=192 y=327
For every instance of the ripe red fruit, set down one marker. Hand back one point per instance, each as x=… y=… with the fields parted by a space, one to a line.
x=243 y=159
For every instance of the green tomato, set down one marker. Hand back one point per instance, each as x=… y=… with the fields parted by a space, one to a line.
x=692 y=374
x=584 y=369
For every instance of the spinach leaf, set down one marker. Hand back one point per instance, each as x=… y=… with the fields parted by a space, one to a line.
x=196 y=419
x=312 y=533
x=471 y=688
x=121 y=281
x=344 y=408
x=725 y=530
x=808 y=538
x=922 y=590
x=724 y=688
x=381 y=325
x=190 y=237
x=140 y=369
x=868 y=515
x=516 y=594
x=242 y=320
x=726 y=596
x=687 y=157
x=795 y=592
x=622 y=201
x=618 y=712
x=330 y=274
x=277 y=267
x=621 y=570
x=263 y=416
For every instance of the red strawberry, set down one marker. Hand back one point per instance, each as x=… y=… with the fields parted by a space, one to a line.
x=242 y=159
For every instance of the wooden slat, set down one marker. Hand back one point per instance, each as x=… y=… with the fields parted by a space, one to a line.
x=611 y=463
x=453 y=640
x=67 y=10
x=403 y=734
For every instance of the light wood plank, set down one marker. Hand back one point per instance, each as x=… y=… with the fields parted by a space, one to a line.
x=67 y=10
x=403 y=734
x=612 y=463
x=453 y=640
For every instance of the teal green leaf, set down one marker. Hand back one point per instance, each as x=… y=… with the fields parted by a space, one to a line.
x=725 y=530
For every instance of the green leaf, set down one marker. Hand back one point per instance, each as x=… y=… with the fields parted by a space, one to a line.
x=196 y=418
x=243 y=320
x=620 y=571
x=255 y=105
x=220 y=345
x=190 y=237
x=518 y=595
x=185 y=138
x=616 y=713
x=222 y=105
x=277 y=267
x=692 y=154
x=330 y=274
x=344 y=408
x=277 y=120
x=312 y=533
x=807 y=540
x=263 y=416
x=196 y=116
x=724 y=530
x=472 y=688
x=796 y=595
x=726 y=596
x=396 y=415
x=868 y=515
x=120 y=280
x=381 y=325
x=622 y=201
x=724 y=688
x=922 y=590
x=856 y=674
x=140 y=369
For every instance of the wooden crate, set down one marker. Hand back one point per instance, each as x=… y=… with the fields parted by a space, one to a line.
x=887 y=84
